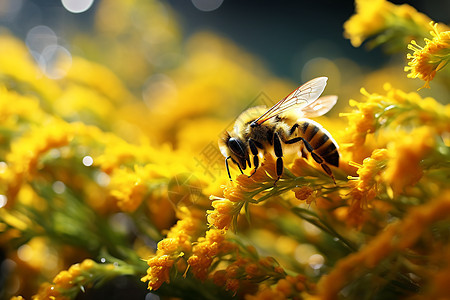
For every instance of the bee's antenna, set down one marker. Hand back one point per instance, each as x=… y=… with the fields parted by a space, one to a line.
x=228 y=167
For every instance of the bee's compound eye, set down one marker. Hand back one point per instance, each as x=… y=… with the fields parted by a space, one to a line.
x=236 y=146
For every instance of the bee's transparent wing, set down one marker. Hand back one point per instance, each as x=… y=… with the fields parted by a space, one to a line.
x=301 y=97
x=319 y=107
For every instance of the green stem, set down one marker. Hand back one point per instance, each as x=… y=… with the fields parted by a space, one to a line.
x=315 y=220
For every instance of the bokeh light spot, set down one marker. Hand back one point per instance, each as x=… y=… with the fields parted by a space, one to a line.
x=102 y=179
x=3 y=200
x=55 y=61
x=303 y=252
x=59 y=187
x=3 y=167
x=77 y=6
x=207 y=5
x=316 y=261
x=88 y=161
x=151 y=296
x=39 y=38
x=10 y=8
x=25 y=252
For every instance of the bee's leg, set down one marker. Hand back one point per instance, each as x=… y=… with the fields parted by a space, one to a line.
x=292 y=130
x=254 y=151
x=279 y=154
x=316 y=157
x=228 y=167
x=303 y=151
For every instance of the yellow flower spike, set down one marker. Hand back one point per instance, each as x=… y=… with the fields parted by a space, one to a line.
x=206 y=249
x=128 y=189
x=403 y=168
x=397 y=237
x=75 y=270
x=369 y=19
x=64 y=280
x=232 y=285
x=386 y=23
x=48 y=291
x=26 y=151
x=364 y=187
x=87 y=264
x=158 y=271
x=223 y=213
x=234 y=193
x=427 y=60
x=68 y=283
x=286 y=288
x=386 y=114
x=370 y=168
x=178 y=241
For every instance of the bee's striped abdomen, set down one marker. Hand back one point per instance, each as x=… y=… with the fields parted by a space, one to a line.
x=320 y=140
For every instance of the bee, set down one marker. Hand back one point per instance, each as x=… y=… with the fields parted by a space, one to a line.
x=283 y=129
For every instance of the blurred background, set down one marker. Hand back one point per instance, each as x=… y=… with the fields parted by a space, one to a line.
x=174 y=75
x=292 y=39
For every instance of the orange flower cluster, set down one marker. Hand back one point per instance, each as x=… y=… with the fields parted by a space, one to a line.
x=178 y=242
x=287 y=288
x=223 y=213
x=364 y=187
x=66 y=283
x=206 y=250
x=400 y=236
x=25 y=152
x=427 y=60
x=236 y=196
x=246 y=271
x=404 y=167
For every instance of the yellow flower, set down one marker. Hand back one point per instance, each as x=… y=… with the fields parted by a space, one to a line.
x=247 y=271
x=371 y=167
x=370 y=18
x=427 y=60
x=17 y=63
x=286 y=288
x=389 y=24
x=266 y=293
x=170 y=249
x=223 y=213
x=397 y=237
x=158 y=272
x=364 y=187
x=403 y=168
x=48 y=291
x=26 y=151
x=67 y=282
x=128 y=188
x=439 y=276
x=185 y=230
x=206 y=249
x=362 y=121
x=386 y=114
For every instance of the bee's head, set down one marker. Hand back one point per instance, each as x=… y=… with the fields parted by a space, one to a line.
x=236 y=148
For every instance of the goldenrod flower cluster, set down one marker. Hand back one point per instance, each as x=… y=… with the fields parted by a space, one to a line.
x=427 y=60
x=113 y=170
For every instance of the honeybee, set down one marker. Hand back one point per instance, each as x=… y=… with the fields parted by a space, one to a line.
x=283 y=129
